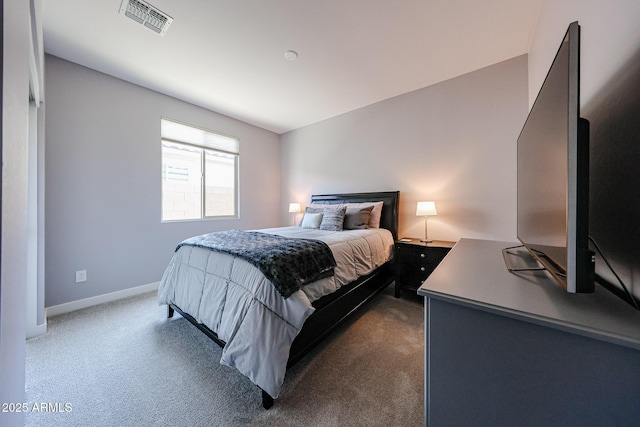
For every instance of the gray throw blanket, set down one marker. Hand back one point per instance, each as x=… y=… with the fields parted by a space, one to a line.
x=288 y=263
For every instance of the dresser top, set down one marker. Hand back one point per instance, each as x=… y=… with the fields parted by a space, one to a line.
x=474 y=274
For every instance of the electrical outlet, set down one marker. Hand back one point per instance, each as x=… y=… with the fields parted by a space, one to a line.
x=81 y=276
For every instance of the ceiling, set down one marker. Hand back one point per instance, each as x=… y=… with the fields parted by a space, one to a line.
x=228 y=55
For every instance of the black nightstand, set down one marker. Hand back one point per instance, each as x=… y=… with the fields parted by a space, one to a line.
x=415 y=260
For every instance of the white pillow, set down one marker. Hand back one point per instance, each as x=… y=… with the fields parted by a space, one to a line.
x=311 y=220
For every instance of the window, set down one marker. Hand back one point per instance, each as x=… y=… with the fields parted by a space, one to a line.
x=199 y=173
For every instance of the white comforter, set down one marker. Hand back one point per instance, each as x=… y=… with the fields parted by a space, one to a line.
x=236 y=301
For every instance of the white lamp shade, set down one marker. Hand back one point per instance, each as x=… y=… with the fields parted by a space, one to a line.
x=294 y=207
x=426 y=209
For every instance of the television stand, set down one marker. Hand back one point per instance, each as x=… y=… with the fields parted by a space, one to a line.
x=518 y=258
x=517 y=349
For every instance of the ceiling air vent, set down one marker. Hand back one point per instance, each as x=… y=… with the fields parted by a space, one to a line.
x=147 y=15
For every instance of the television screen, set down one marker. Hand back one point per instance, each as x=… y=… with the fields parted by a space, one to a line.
x=553 y=179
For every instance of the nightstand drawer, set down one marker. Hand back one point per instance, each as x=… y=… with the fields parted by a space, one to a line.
x=422 y=256
x=416 y=260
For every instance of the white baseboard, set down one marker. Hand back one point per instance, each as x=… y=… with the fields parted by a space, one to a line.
x=37 y=330
x=100 y=299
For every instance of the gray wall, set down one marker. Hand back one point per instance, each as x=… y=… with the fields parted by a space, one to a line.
x=453 y=142
x=103 y=181
x=610 y=100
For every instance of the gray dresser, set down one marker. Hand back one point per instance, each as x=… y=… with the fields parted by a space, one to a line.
x=505 y=349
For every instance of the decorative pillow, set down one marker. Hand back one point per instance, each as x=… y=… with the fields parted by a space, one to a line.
x=357 y=218
x=309 y=210
x=333 y=219
x=314 y=209
x=376 y=212
x=321 y=206
x=311 y=220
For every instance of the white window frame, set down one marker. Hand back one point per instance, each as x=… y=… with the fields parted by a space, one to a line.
x=204 y=140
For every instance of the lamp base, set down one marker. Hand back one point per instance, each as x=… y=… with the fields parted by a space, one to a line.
x=426 y=233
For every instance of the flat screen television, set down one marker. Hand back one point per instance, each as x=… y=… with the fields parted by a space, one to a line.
x=553 y=174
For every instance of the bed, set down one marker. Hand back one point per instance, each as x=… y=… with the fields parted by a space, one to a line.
x=262 y=330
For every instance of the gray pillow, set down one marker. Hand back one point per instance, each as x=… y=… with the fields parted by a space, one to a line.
x=312 y=209
x=333 y=219
x=357 y=218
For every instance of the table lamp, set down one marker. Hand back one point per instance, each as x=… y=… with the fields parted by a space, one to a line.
x=294 y=208
x=426 y=209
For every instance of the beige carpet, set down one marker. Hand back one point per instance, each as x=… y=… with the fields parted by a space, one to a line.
x=126 y=364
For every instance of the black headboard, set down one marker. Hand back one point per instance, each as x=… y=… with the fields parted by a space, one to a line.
x=390 y=199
